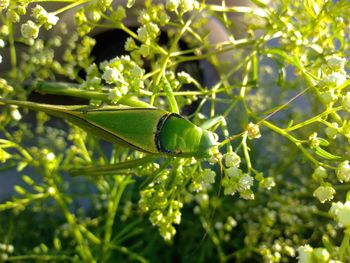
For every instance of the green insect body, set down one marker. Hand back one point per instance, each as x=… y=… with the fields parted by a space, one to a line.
x=148 y=130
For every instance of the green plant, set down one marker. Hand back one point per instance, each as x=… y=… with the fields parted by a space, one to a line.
x=284 y=168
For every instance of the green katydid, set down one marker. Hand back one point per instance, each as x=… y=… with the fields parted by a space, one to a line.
x=149 y=130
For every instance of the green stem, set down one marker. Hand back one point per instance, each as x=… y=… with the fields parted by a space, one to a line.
x=246 y=152
x=73 y=90
x=13 y=55
x=112 y=168
x=312 y=120
x=294 y=140
x=67 y=7
x=84 y=249
x=166 y=60
x=113 y=204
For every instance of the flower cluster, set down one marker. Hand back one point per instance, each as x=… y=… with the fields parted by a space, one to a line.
x=202 y=180
x=124 y=75
x=183 y=5
x=235 y=180
x=43 y=17
x=341 y=213
x=307 y=254
x=333 y=75
x=164 y=212
x=30 y=30
x=5 y=250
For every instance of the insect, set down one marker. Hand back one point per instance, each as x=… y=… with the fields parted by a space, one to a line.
x=149 y=130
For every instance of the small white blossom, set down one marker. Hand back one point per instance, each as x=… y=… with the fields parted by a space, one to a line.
x=16 y=115
x=245 y=182
x=130 y=44
x=333 y=80
x=4 y=4
x=51 y=190
x=232 y=159
x=319 y=173
x=332 y=132
x=346 y=101
x=51 y=20
x=136 y=72
x=324 y=193
x=336 y=63
x=335 y=208
x=50 y=156
x=329 y=96
x=233 y=172
x=343 y=172
x=253 y=131
x=43 y=17
x=188 y=5
x=247 y=194
x=208 y=176
x=172 y=5
x=321 y=255
x=114 y=95
x=267 y=183
x=341 y=213
x=111 y=75
x=142 y=33
x=2 y=43
x=305 y=254
x=184 y=77
x=29 y=30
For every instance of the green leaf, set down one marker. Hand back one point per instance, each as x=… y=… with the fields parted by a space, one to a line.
x=326 y=155
x=323 y=142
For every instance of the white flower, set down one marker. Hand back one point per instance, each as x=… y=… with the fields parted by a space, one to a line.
x=29 y=30
x=319 y=173
x=188 y=5
x=43 y=17
x=335 y=208
x=341 y=212
x=343 y=215
x=343 y=172
x=332 y=132
x=136 y=72
x=245 y=182
x=172 y=5
x=111 y=75
x=208 y=176
x=50 y=156
x=329 y=96
x=333 y=80
x=114 y=95
x=232 y=159
x=52 y=19
x=336 y=63
x=233 y=172
x=253 y=131
x=305 y=254
x=184 y=77
x=324 y=193
x=321 y=255
x=16 y=115
x=2 y=43
x=142 y=33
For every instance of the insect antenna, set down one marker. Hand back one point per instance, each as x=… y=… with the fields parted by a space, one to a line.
x=278 y=109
